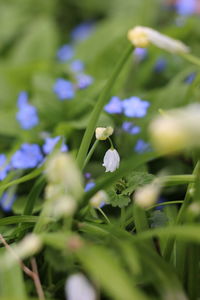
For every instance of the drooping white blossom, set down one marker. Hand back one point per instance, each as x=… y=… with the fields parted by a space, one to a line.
x=142 y=36
x=111 y=160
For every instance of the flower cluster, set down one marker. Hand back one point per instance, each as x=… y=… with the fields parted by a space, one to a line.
x=63 y=88
x=27 y=114
x=132 y=107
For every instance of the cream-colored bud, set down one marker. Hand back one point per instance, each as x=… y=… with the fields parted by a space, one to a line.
x=147 y=195
x=102 y=133
x=61 y=169
x=142 y=36
x=63 y=207
x=99 y=199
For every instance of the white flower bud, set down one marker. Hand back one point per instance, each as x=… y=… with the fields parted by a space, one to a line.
x=99 y=199
x=147 y=195
x=61 y=169
x=78 y=287
x=177 y=130
x=142 y=36
x=111 y=160
x=102 y=133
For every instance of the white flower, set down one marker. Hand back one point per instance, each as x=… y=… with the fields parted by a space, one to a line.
x=77 y=287
x=98 y=199
x=61 y=169
x=142 y=36
x=177 y=130
x=147 y=195
x=111 y=160
x=102 y=133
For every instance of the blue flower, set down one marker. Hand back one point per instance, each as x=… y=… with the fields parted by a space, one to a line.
x=6 y=201
x=140 y=53
x=77 y=66
x=28 y=156
x=22 y=99
x=83 y=81
x=82 y=31
x=89 y=186
x=141 y=146
x=134 y=107
x=190 y=78
x=160 y=65
x=4 y=167
x=114 y=106
x=63 y=89
x=185 y=7
x=50 y=143
x=65 y=53
x=130 y=128
x=27 y=114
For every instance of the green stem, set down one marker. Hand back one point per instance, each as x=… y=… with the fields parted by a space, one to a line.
x=178 y=179
x=104 y=215
x=191 y=58
x=123 y=217
x=102 y=100
x=180 y=216
x=111 y=143
x=90 y=153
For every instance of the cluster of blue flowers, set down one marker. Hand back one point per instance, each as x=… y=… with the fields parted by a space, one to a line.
x=132 y=107
x=186 y=7
x=65 y=89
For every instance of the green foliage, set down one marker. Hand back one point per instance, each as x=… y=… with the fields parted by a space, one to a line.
x=125 y=251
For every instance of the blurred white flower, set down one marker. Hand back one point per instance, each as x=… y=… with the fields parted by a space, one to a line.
x=62 y=170
x=177 y=130
x=78 y=287
x=102 y=133
x=111 y=160
x=142 y=36
x=147 y=195
x=63 y=207
x=99 y=199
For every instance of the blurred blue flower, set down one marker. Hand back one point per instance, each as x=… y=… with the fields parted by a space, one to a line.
x=141 y=146
x=190 y=78
x=64 y=89
x=160 y=65
x=89 y=186
x=6 y=201
x=140 y=53
x=134 y=107
x=27 y=114
x=87 y=175
x=22 y=99
x=114 y=106
x=4 y=167
x=28 y=156
x=83 y=80
x=130 y=128
x=82 y=31
x=50 y=143
x=77 y=66
x=65 y=53
x=185 y=7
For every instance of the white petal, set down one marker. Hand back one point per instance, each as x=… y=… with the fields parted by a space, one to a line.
x=78 y=287
x=111 y=160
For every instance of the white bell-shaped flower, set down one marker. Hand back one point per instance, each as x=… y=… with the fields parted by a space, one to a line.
x=111 y=160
